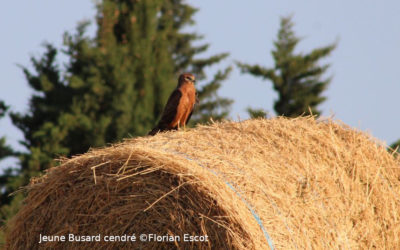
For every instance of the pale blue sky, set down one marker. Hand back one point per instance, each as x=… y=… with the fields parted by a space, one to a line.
x=364 y=91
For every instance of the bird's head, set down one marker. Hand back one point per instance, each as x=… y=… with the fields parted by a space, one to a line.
x=186 y=78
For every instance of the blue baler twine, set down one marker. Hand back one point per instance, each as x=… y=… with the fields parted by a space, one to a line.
x=253 y=212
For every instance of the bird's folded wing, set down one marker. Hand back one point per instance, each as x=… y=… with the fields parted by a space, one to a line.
x=171 y=108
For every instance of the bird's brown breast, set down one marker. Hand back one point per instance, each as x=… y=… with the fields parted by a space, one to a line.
x=186 y=104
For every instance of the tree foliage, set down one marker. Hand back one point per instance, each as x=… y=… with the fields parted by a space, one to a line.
x=6 y=175
x=5 y=150
x=257 y=113
x=297 y=77
x=396 y=145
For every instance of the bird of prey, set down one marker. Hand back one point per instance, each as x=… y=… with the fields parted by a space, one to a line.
x=180 y=105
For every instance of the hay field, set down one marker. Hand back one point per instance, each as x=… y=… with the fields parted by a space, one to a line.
x=257 y=184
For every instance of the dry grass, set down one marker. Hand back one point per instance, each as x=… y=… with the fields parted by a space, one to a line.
x=314 y=185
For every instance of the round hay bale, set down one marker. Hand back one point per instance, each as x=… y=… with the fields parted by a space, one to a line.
x=258 y=184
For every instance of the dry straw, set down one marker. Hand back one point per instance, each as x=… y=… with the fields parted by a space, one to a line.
x=280 y=183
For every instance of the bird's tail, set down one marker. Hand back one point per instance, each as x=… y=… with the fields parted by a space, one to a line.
x=157 y=129
x=154 y=131
x=161 y=127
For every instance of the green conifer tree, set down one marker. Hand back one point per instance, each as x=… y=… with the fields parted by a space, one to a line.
x=296 y=77
x=6 y=173
x=257 y=113
x=114 y=85
x=396 y=145
x=5 y=150
x=210 y=104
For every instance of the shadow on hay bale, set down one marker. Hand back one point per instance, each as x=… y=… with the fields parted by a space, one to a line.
x=258 y=184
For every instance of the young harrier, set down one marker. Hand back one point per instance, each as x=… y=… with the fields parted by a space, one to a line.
x=180 y=105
